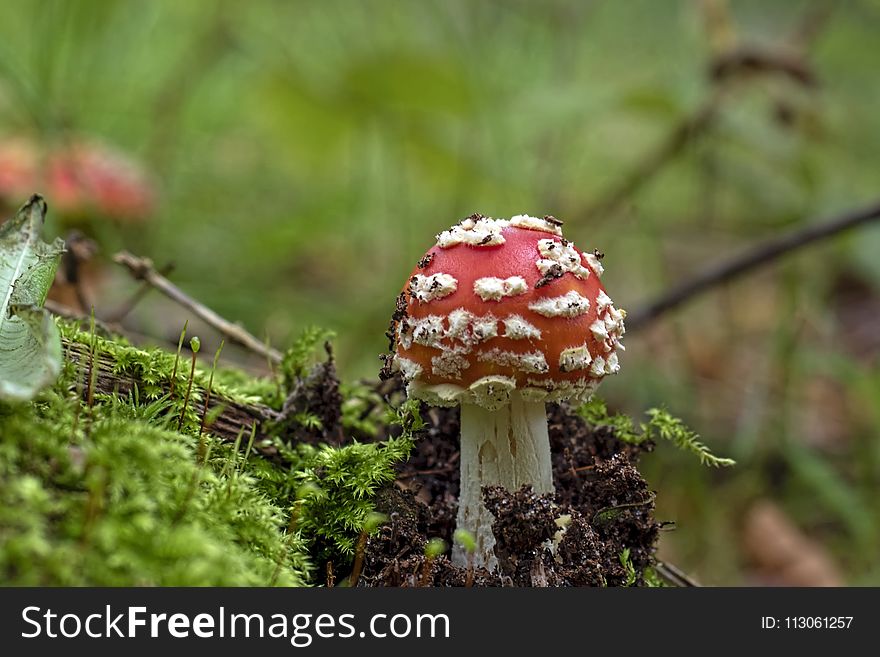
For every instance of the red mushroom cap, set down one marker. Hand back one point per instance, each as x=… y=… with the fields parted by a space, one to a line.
x=90 y=177
x=502 y=305
x=80 y=178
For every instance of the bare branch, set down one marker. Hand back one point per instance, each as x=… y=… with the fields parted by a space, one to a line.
x=61 y=310
x=674 y=575
x=755 y=60
x=142 y=269
x=682 y=134
x=759 y=255
x=728 y=63
x=123 y=311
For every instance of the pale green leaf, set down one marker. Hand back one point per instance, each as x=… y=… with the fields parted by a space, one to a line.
x=30 y=347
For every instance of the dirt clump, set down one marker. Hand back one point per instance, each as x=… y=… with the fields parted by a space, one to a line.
x=597 y=530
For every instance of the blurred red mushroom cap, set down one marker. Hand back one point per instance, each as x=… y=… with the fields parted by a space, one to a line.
x=80 y=178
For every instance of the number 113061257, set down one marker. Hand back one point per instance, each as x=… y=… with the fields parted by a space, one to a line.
x=806 y=622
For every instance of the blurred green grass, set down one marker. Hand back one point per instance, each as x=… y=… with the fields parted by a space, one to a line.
x=307 y=152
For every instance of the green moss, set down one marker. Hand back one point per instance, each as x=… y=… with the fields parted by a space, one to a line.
x=122 y=492
x=595 y=412
x=626 y=561
x=343 y=482
x=122 y=501
x=116 y=495
x=661 y=425
x=652 y=579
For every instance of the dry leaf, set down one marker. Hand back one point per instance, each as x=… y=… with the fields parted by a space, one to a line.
x=783 y=553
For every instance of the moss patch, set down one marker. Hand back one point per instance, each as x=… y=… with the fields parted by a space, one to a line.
x=112 y=478
x=114 y=494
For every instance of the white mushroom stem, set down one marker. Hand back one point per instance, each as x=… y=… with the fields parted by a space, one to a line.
x=506 y=447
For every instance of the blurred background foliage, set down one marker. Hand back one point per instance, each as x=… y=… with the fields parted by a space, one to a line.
x=300 y=157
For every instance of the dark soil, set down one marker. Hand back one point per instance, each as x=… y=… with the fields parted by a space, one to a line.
x=316 y=395
x=600 y=494
x=600 y=498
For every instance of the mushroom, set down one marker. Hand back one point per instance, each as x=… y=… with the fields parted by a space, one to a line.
x=499 y=317
x=81 y=178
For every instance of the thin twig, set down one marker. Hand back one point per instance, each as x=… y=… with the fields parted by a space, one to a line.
x=755 y=60
x=60 y=310
x=142 y=269
x=674 y=575
x=104 y=329
x=757 y=256
x=727 y=63
x=420 y=473
x=681 y=135
x=127 y=306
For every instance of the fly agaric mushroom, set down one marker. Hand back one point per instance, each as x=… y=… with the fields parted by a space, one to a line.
x=501 y=316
